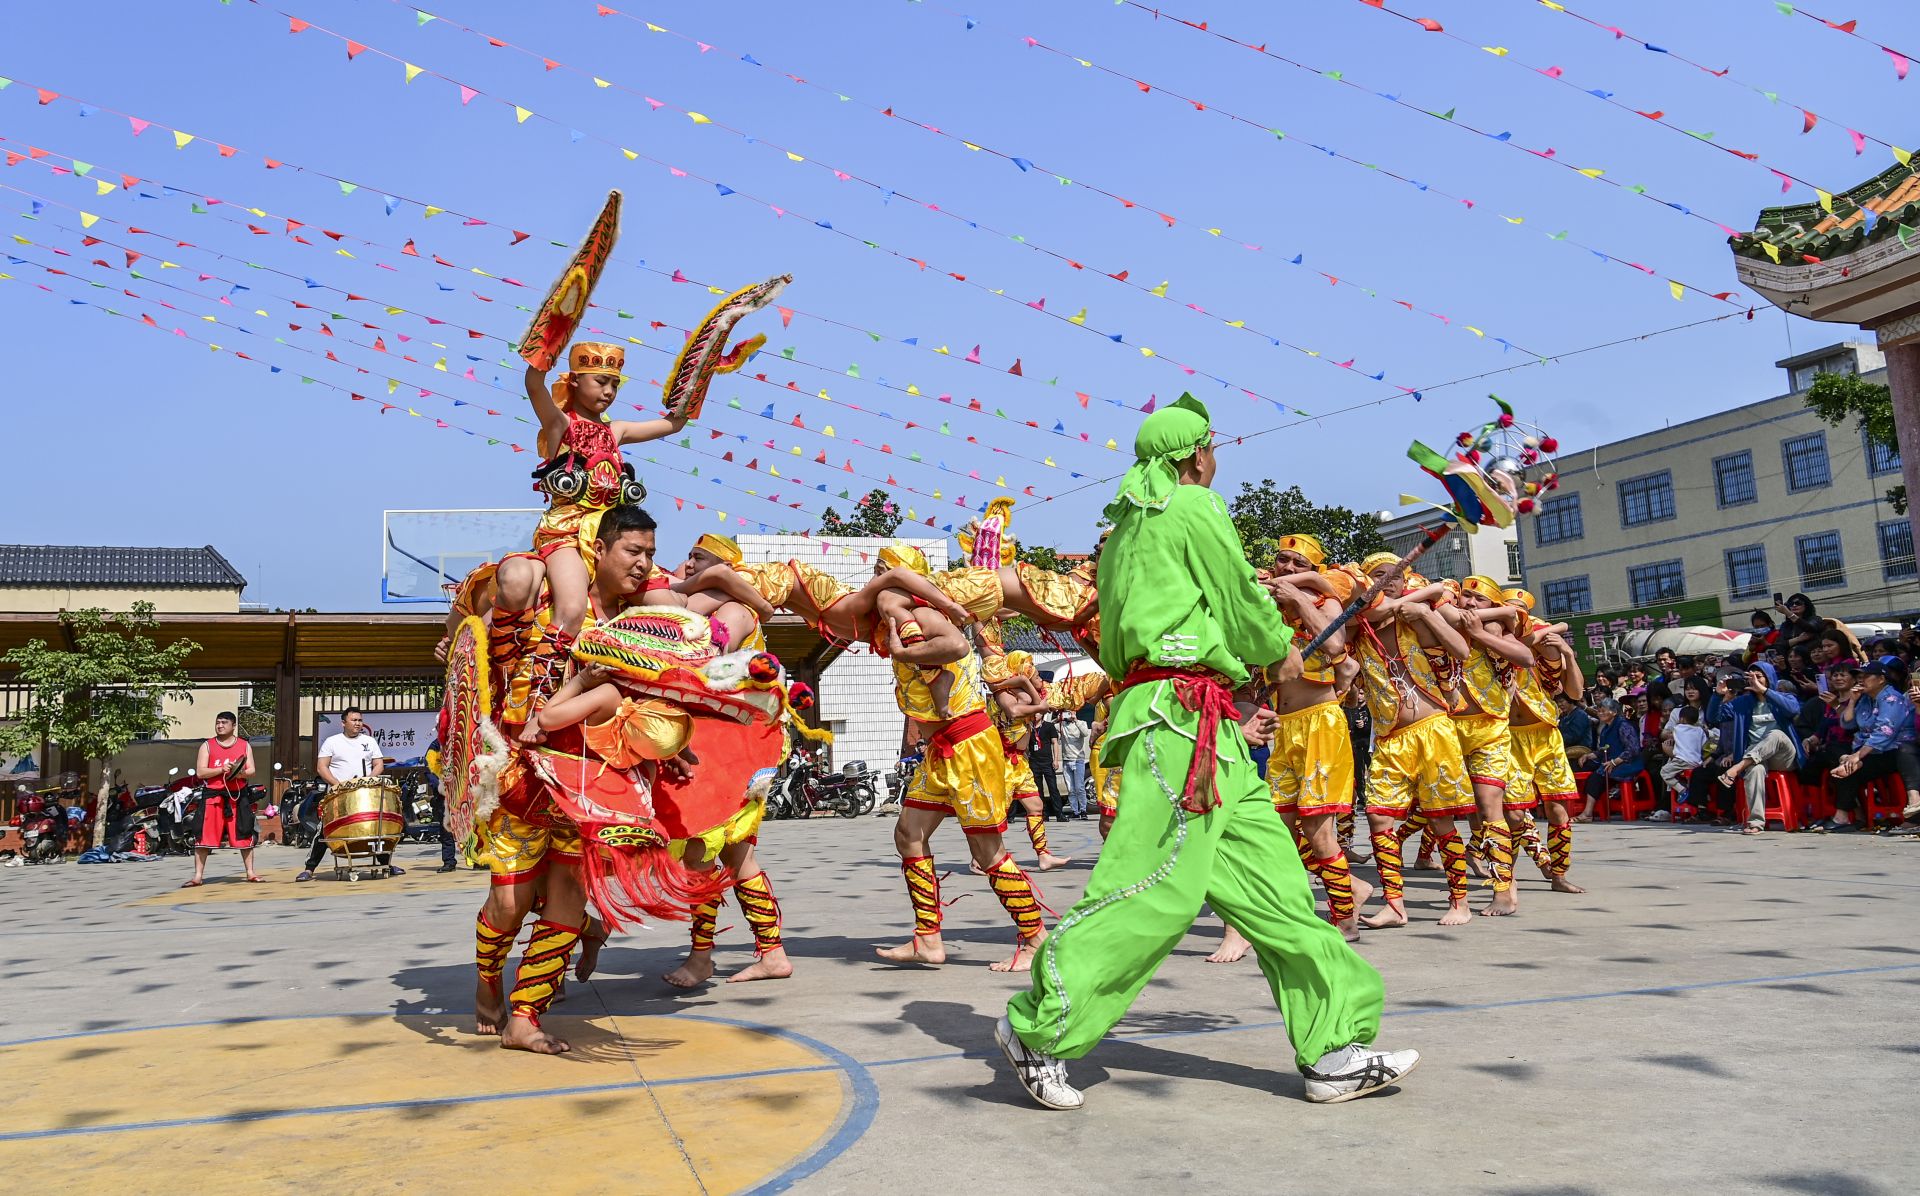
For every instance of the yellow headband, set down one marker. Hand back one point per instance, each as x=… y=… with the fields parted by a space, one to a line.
x=905 y=556
x=1484 y=586
x=1307 y=546
x=1019 y=661
x=1518 y=596
x=1376 y=559
x=720 y=546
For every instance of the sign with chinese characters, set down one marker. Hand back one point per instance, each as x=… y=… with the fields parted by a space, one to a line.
x=403 y=735
x=1590 y=635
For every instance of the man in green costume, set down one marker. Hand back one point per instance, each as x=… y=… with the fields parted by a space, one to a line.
x=1183 y=620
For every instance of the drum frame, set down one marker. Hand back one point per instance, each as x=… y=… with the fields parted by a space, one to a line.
x=346 y=865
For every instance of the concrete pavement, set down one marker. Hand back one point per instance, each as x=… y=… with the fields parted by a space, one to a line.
x=1717 y=1013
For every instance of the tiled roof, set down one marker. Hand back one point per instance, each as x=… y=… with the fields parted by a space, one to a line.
x=1893 y=197
x=81 y=565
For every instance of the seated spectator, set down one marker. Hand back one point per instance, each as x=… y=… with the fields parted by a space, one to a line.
x=1576 y=731
x=1685 y=669
x=1763 y=730
x=1763 y=626
x=1831 y=648
x=1823 y=724
x=1883 y=744
x=1803 y=624
x=1686 y=743
x=1617 y=754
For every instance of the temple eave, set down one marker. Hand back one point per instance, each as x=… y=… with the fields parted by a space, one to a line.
x=1879 y=282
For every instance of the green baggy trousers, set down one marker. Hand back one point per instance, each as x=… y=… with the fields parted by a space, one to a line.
x=1159 y=864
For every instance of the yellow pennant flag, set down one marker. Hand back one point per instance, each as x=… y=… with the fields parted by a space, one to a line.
x=1236 y=323
x=1905 y=157
x=1161 y=290
x=699 y=118
x=1496 y=51
x=1826 y=200
x=1077 y=319
x=793 y=157
x=342 y=253
x=1111 y=444
x=430 y=211
x=413 y=72
x=1773 y=251
x=393 y=384
x=943 y=349
x=102 y=187
x=912 y=389
x=653 y=28
x=827 y=431
x=396 y=311
x=1593 y=172
x=88 y=219
x=1145 y=352
x=1679 y=292
x=1553 y=6
x=1475 y=331
x=520 y=114
x=1049 y=463
x=599 y=82
x=180 y=139
x=441 y=365
x=1514 y=219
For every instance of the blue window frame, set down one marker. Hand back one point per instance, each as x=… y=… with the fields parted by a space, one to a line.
x=1747 y=571
x=1558 y=521
x=1822 y=565
x=1733 y=479
x=1662 y=581
x=1568 y=596
x=1896 y=550
x=1805 y=459
x=1646 y=499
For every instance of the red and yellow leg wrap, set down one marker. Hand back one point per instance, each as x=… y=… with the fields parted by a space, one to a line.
x=1387 y=846
x=1499 y=841
x=1416 y=824
x=491 y=946
x=923 y=889
x=1037 y=831
x=541 y=968
x=762 y=911
x=911 y=634
x=704 y=925
x=1559 y=849
x=1346 y=830
x=1453 y=856
x=1337 y=875
x=1527 y=839
x=1015 y=892
x=1304 y=848
x=549 y=667
x=504 y=629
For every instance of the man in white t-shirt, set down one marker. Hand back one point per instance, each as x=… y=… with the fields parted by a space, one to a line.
x=344 y=756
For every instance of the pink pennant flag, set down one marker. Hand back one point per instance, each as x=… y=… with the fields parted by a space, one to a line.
x=139 y=126
x=1152 y=402
x=1859 y=142
x=1808 y=120
x=974 y=356
x=1786 y=184
x=467 y=94
x=786 y=316
x=296 y=25
x=1553 y=72
x=1900 y=63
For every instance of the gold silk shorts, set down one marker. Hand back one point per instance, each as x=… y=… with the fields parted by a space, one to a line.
x=1540 y=768
x=1484 y=749
x=1020 y=782
x=1059 y=595
x=976 y=589
x=1419 y=767
x=566 y=525
x=971 y=784
x=1311 y=768
x=517 y=851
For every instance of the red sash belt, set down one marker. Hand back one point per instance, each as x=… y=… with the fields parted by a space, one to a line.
x=944 y=743
x=1205 y=693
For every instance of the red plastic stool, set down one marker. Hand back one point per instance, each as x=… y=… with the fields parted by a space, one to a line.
x=1635 y=797
x=1883 y=797
x=1784 y=800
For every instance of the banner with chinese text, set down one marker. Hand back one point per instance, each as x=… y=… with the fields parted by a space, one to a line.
x=1590 y=635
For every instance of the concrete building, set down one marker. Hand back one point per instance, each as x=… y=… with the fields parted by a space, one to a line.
x=1701 y=522
x=1489 y=551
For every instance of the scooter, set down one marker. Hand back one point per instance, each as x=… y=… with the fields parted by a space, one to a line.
x=848 y=793
x=43 y=828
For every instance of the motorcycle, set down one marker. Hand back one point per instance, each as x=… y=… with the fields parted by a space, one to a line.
x=901 y=777
x=848 y=793
x=300 y=812
x=44 y=823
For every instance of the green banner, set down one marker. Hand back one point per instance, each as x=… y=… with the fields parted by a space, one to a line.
x=1590 y=634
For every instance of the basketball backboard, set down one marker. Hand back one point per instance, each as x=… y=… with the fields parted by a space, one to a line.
x=425 y=553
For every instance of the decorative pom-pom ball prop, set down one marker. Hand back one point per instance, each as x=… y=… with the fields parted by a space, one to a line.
x=764 y=667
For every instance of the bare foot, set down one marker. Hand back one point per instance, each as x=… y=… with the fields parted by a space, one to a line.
x=1233 y=948
x=923 y=948
x=1022 y=957
x=976 y=869
x=1394 y=915
x=589 y=957
x=489 y=1006
x=1423 y=863
x=1502 y=905
x=523 y=1033
x=774 y=965
x=1050 y=861
x=1562 y=885
x=1477 y=865
x=1457 y=914
x=697 y=970
x=1349 y=928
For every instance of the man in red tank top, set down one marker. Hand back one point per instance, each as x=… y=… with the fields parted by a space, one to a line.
x=226 y=817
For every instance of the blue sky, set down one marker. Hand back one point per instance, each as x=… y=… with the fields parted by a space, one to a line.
x=125 y=434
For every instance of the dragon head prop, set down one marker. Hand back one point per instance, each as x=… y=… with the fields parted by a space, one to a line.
x=669 y=653
x=706 y=353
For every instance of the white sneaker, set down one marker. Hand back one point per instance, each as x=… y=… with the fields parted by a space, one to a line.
x=1354 y=1071
x=1043 y=1076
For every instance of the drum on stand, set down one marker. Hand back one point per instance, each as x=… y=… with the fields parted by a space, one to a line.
x=362 y=819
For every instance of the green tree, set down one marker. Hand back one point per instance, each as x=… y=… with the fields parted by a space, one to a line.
x=1837 y=397
x=874 y=515
x=101 y=692
x=1266 y=512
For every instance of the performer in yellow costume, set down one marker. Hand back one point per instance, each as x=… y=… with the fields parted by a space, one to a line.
x=1541 y=773
x=1416 y=756
x=1014 y=720
x=937 y=684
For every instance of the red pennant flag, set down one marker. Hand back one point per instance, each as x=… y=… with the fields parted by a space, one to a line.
x=408 y=248
x=786 y=316
x=1015 y=369
x=48 y=97
x=1429 y=24
x=296 y=25
x=354 y=48
x=519 y=236
x=1843 y=26
x=1082 y=396
x=1808 y=120
x=272 y=163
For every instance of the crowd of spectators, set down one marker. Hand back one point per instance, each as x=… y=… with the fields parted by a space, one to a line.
x=1805 y=697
